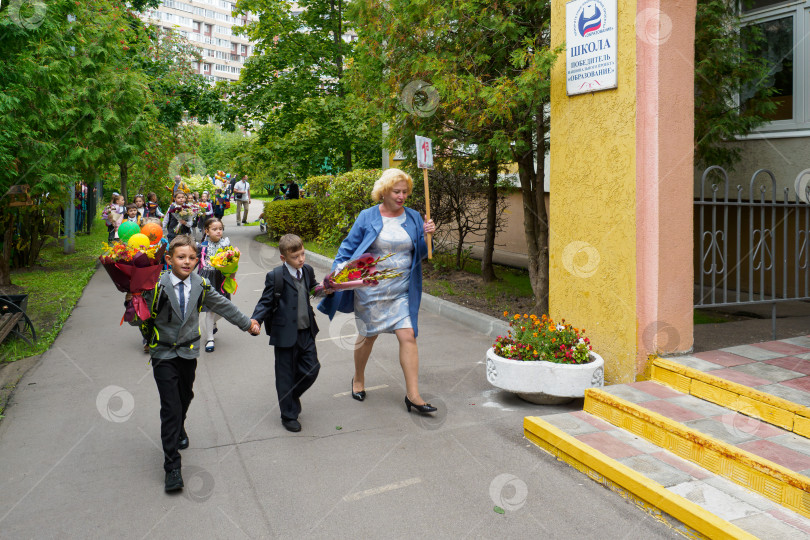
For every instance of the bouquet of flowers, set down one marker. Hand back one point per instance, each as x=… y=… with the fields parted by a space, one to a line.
x=540 y=338
x=226 y=260
x=187 y=212
x=133 y=270
x=361 y=272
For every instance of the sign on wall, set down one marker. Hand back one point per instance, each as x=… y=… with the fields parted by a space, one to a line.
x=590 y=46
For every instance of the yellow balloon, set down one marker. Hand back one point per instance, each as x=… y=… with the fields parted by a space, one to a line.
x=138 y=240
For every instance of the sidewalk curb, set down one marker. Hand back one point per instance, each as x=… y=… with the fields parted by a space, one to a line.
x=478 y=322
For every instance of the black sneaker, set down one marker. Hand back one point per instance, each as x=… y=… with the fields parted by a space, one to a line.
x=183 y=444
x=174 y=480
x=291 y=425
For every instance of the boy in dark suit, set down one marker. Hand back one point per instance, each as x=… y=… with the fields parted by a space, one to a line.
x=174 y=345
x=290 y=322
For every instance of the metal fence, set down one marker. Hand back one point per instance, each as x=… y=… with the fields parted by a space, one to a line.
x=753 y=247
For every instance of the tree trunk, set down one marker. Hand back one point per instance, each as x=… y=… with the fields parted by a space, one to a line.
x=124 y=172
x=487 y=270
x=535 y=219
x=5 y=268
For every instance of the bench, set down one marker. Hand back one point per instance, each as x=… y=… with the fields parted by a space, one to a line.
x=13 y=320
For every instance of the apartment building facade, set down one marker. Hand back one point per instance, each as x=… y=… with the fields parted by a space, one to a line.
x=208 y=25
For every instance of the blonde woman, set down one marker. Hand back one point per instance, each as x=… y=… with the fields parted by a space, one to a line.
x=393 y=305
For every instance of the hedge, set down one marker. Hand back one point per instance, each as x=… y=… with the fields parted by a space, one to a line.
x=340 y=199
x=294 y=216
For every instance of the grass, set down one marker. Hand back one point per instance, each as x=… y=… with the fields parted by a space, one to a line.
x=53 y=290
x=706 y=317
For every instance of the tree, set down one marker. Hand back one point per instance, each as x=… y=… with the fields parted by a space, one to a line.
x=733 y=96
x=63 y=81
x=293 y=85
x=488 y=65
x=460 y=200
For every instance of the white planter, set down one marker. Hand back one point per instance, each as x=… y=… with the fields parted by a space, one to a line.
x=545 y=383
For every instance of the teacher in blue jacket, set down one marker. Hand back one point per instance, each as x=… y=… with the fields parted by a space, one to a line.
x=392 y=306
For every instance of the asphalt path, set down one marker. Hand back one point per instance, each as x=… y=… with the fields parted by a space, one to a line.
x=80 y=452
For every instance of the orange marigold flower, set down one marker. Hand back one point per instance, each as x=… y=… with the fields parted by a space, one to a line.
x=505 y=313
x=535 y=334
x=516 y=317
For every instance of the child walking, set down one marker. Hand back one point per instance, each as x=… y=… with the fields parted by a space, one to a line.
x=140 y=204
x=171 y=223
x=113 y=215
x=173 y=334
x=133 y=215
x=291 y=326
x=152 y=206
x=214 y=229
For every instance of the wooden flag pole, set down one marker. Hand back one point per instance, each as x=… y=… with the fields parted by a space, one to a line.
x=427 y=214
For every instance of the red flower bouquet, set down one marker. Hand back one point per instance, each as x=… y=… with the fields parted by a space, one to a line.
x=133 y=271
x=361 y=272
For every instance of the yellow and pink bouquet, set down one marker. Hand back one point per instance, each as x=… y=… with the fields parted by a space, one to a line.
x=226 y=260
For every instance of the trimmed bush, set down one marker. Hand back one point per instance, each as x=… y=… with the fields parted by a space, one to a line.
x=295 y=216
x=340 y=199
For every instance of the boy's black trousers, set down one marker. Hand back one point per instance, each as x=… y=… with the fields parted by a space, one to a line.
x=175 y=379
x=296 y=369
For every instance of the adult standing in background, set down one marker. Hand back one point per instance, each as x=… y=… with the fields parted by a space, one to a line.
x=241 y=194
x=293 y=191
x=393 y=305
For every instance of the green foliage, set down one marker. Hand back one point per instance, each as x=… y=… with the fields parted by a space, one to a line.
x=294 y=86
x=725 y=67
x=318 y=187
x=296 y=216
x=198 y=184
x=339 y=200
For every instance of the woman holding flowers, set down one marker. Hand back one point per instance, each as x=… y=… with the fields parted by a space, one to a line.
x=392 y=306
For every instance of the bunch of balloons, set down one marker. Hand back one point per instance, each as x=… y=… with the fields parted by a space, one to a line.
x=140 y=237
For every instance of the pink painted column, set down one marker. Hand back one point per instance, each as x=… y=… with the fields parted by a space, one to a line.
x=665 y=41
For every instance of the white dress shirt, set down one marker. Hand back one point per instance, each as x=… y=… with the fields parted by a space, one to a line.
x=292 y=270
x=186 y=285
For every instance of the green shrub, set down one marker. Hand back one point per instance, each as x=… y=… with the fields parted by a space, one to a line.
x=295 y=216
x=198 y=184
x=340 y=199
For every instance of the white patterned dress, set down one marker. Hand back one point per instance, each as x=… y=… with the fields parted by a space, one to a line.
x=384 y=308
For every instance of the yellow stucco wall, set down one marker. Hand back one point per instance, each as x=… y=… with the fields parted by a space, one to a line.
x=593 y=179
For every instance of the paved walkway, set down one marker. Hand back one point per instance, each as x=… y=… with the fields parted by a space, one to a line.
x=81 y=455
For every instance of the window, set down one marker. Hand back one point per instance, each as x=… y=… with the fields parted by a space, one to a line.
x=782 y=26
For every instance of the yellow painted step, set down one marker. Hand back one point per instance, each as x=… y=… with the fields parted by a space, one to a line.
x=686 y=516
x=737 y=397
x=755 y=473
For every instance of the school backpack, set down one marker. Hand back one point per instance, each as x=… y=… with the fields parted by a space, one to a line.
x=147 y=327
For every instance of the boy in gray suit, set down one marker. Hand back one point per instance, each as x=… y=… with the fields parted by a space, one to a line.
x=174 y=343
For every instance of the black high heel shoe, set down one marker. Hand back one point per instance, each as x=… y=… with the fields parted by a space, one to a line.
x=359 y=396
x=426 y=408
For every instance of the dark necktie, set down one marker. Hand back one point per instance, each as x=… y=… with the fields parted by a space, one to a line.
x=298 y=275
x=181 y=295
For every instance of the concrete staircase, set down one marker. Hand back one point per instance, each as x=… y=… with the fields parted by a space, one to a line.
x=711 y=457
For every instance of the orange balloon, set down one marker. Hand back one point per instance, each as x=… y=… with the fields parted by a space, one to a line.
x=153 y=231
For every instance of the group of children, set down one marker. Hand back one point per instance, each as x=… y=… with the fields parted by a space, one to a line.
x=183 y=293
x=139 y=211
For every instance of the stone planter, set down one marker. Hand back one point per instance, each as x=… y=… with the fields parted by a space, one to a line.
x=544 y=383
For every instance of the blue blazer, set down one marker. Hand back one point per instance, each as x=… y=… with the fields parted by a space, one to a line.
x=366 y=229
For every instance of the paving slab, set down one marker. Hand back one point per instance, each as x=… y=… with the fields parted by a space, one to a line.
x=752 y=352
x=768 y=372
